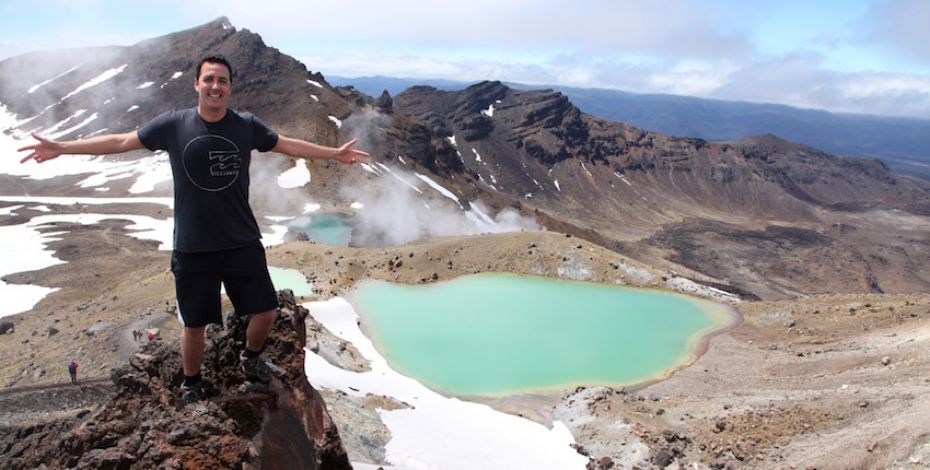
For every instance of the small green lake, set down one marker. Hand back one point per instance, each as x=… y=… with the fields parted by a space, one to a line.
x=292 y=279
x=328 y=227
x=494 y=334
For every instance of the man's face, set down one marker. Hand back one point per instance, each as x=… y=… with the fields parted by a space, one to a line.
x=213 y=86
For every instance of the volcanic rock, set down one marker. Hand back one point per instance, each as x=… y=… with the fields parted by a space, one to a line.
x=239 y=424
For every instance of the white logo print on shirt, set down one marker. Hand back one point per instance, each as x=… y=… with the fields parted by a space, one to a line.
x=211 y=162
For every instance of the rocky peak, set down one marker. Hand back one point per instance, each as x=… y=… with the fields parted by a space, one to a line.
x=239 y=425
x=157 y=74
x=385 y=103
x=480 y=96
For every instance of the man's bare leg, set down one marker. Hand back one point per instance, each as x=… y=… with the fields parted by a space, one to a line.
x=192 y=349
x=259 y=328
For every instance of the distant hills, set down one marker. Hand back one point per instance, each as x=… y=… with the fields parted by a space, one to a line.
x=903 y=143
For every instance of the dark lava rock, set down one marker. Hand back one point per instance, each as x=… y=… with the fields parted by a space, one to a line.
x=239 y=424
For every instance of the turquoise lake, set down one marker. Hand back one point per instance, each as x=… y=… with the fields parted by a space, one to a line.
x=495 y=334
x=292 y=279
x=327 y=227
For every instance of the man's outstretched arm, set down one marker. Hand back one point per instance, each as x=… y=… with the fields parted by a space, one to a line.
x=302 y=149
x=47 y=149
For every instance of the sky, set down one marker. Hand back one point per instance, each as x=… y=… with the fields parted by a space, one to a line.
x=858 y=56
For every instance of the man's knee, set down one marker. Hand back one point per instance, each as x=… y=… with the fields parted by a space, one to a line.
x=263 y=316
x=194 y=333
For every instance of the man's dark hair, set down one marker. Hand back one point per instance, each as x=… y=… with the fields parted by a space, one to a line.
x=215 y=59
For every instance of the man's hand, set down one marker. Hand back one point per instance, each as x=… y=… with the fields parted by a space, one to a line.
x=45 y=149
x=347 y=154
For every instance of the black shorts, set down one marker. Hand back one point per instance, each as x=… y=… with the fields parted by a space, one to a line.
x=197 y=278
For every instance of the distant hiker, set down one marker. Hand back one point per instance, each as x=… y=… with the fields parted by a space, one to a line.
x=216 y=236
x=72 y=371
x=150 y=335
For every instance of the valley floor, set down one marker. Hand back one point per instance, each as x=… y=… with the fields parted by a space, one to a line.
x=829 y=381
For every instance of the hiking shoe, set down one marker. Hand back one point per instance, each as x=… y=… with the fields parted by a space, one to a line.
x=192 y=393
x=255 y=369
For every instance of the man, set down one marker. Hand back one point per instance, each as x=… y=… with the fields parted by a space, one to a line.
x=216 y=237
x=72 y=371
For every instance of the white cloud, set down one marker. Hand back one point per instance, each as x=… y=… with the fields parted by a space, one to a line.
x=878 y=63
x=673 y=29
x=800 y=81
x=797 y=80
x=902 y=26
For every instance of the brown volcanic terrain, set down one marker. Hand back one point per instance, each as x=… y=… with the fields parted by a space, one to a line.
x=760 y=215
x=828 y=369
x=801 y=381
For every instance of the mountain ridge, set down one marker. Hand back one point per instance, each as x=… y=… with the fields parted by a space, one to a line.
x=900 y=141
x=536 y=150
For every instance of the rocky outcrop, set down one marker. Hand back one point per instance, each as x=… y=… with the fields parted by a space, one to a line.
x=239 y=425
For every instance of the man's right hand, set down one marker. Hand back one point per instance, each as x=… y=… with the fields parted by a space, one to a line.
x=45 y=149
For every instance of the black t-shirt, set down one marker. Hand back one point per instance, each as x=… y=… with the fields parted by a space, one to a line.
x=210 y=164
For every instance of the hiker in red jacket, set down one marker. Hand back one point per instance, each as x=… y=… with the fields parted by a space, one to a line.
x=72 y=370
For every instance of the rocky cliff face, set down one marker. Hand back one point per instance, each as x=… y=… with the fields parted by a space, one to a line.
x=240 y=425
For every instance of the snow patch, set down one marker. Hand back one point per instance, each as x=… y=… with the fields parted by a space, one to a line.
x=132 y=108
x=64 y=121
x=35 y=87
x=687 y=285
x=24 y=247
x=488 y=112
x=96 y=80
x=74 y=128
x=147 y=171
x=369 y=168
x=445 y=192
x=336 y=121
x=315 y=83
x=145 y=85
x=411 y=185
x=623 y=178
x=295 y=177
x=9 y=210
